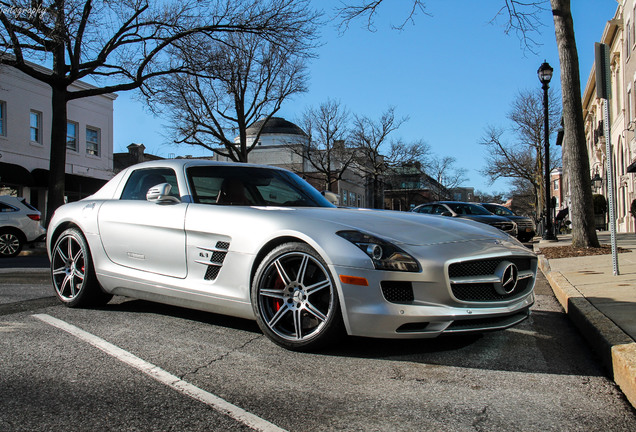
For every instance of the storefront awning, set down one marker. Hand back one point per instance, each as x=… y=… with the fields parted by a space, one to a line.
x=72 y=182
x=15 y=175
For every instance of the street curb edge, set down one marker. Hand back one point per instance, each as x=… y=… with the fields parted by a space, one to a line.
x=616 y=349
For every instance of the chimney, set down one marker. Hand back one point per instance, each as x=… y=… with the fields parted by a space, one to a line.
x=136 y=152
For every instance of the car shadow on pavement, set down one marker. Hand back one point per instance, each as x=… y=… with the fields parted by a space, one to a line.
x=544 y=343
x=143 y=306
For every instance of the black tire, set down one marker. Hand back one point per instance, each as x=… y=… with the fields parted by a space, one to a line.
x=73 y=273
x=295 y=299
x=11 y=243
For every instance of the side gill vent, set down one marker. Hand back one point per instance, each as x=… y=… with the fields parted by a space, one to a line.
x=215 y=262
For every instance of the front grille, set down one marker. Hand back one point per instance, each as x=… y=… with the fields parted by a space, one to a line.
x=483 y=292
x=397 y=291
x=524 y=224
x=487 y=266
x=504 y=226
x=480 y=279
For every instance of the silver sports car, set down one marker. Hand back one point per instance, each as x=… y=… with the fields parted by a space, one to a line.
x=259 y=242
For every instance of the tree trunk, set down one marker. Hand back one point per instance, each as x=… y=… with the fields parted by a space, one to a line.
x=577 y=165
x=58 y=152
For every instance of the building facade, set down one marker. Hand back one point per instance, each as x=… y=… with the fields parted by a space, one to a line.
x=25 y=139
x=620 y=37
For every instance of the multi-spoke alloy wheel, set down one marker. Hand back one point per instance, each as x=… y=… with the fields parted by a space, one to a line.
x=295 y=299
x=72 y=272
x=10 y=244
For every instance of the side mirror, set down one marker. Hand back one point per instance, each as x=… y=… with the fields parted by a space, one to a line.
x=447 y=213
x=160 y=194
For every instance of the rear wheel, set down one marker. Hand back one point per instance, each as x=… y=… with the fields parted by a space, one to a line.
x=295 y=299
x=73 y=273
x=11 y=244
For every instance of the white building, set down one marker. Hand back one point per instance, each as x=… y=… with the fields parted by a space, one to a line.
x=25 y=139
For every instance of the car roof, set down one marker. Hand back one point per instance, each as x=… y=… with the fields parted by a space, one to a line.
x=181 y=163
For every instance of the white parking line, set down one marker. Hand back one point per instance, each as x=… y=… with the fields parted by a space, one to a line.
x=164 y=377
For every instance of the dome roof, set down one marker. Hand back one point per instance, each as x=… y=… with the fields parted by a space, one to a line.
x=275 y=125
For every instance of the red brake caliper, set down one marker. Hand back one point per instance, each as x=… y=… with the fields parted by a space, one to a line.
x=278 y=285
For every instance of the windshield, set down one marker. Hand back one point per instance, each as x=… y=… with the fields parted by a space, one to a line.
x=251 y=186
x=468 y=209
x=499 y=210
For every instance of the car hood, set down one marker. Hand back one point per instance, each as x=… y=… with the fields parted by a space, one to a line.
x=398 y=227
x=485 y=218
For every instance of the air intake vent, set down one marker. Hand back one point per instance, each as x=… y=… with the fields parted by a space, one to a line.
x=397 y=292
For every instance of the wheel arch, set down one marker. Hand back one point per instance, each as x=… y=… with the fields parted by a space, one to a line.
x=58 y=232
x=14 y=230
x=270 y=246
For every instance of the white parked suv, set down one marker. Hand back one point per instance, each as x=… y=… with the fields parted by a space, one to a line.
x=19 y=224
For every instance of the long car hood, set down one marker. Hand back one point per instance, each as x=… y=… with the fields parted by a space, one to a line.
x=399 y=227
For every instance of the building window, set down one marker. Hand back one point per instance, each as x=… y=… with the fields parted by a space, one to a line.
x=71 y=135
x=628 y=48
x=634 y=28
x=3 y=118
x=92 y=141
x=36 y=127
x=556 y=185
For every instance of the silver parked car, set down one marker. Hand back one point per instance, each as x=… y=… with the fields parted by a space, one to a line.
x=260 y=243
x=19 y=225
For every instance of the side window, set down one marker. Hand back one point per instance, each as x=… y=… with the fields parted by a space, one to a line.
x=424 y=209
x=143 y=179
x=3 y=118
x=438 y=210
x=6 y=208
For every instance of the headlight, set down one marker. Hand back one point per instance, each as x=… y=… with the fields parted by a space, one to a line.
x=385 y=255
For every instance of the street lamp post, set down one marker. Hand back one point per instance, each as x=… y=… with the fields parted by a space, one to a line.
x=545 y=75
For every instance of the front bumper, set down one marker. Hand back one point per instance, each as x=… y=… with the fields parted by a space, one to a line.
x=433 y=308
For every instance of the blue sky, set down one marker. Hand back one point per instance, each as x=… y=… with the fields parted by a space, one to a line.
x=452 y=73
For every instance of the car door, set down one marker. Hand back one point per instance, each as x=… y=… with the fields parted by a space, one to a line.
x=145 y=235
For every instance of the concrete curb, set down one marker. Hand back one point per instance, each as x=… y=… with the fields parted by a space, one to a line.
x=616 y=349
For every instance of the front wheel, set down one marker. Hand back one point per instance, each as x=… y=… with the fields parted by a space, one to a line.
x=73 y=274
x=295 y=298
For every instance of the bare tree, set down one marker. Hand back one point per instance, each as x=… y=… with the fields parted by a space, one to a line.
x=524 y=157
x=370 y=138
x=447 y=177
x=123 y=43
x=369 y=9
x=522 y=16
x=577 y=161
x=490 y=197
x=244 y=78
x=328 y=152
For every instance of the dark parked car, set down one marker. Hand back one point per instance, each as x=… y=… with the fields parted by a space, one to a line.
x=525 y=225
x=470 y=211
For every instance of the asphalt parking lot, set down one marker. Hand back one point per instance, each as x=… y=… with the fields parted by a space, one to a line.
x=136 y=365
